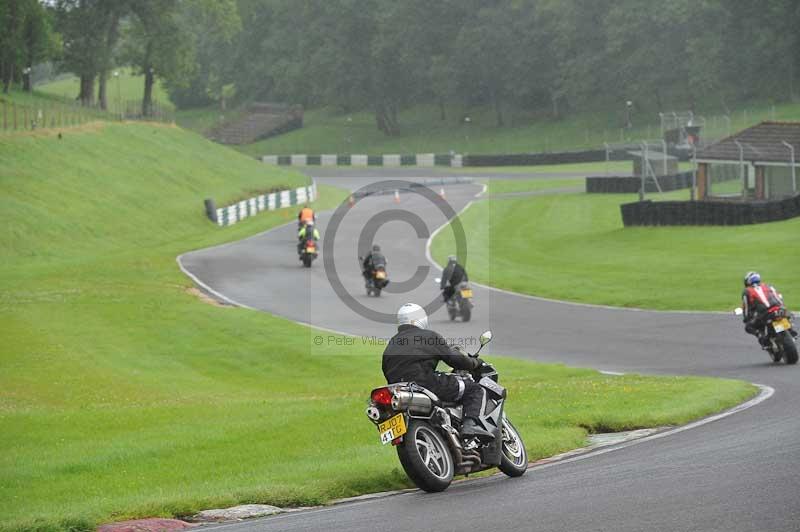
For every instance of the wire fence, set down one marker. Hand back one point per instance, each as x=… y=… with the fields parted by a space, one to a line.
x=16 y=116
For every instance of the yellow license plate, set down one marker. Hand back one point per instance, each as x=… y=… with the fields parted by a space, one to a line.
x=380 y=275
x=311 y=249
x=781 y=325
x=392 y=428
x=466 y=293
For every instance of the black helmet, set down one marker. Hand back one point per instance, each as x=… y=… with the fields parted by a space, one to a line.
x=452 y=258
x=376 y=247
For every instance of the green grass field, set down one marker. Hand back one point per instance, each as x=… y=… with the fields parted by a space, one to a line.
x=574 y=247
x=123 y=394
x=422 y=132
x=126 y=86
x=508 y=186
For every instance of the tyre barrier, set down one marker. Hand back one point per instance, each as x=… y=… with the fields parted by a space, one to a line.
x=240 y=210
x=449 y=159
x=709 y=212
x=629 y=184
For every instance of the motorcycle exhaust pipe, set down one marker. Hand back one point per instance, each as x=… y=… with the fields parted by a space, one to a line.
x=416 y=403
x=373 y=413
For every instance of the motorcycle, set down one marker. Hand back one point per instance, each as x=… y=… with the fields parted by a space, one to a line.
x=426 y=430
x=460 y=303
x=781 y=344
x=308 y=252
x=376 y=281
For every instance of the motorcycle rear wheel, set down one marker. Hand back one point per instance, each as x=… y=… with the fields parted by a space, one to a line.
x=513 y=457
x=425 y=457
x=789 y=348
x=307 y=261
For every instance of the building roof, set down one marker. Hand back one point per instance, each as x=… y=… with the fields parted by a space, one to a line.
x=760 y=143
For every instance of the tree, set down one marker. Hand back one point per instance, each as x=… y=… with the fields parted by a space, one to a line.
x=214 y=26
x=157 y=45
x=485 y=53
x=11 y=39
x=39 y=41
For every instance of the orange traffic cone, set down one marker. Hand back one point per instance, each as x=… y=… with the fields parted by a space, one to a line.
x=397 y=196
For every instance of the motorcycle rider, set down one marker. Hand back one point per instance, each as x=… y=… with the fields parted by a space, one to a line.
x=306 y=231
x=372 y=261
x=758 y=300
x=306 y=215
x=412 y=356
x=452 y=276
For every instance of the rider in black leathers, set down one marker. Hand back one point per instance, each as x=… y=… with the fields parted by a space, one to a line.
x=452 y=276
x=372 y=261
x=412 y=356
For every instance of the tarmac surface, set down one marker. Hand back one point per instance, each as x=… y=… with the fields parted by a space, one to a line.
x=740 y=473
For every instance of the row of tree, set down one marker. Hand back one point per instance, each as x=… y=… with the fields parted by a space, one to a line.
x=553 y=56
x=538 y=56
x=89 y=38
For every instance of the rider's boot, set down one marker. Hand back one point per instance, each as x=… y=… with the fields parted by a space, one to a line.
x=471 y=429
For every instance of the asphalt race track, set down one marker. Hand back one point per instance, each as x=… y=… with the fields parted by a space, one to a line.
x=740 y=473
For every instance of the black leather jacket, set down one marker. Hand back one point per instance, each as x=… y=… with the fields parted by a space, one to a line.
x=414 y=353
x=452 y=275
x=373 y=260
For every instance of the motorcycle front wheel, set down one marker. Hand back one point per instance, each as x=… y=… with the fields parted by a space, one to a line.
x=789 y=348
x=514 y=457
x=425 y=457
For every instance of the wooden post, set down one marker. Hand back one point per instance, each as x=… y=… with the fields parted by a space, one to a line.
x=761 y=189
x=702 y=181
x=14 y=107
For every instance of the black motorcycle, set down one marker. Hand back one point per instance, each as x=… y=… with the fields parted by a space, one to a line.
x=460 y=303
x=778 y=330
x=308 y=252
x=376 y=280
x=426 y=430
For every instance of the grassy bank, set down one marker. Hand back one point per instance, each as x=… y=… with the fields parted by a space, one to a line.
x=574 y=247
x=124 y=395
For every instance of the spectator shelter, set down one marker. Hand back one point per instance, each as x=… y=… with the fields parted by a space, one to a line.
x=758 y=163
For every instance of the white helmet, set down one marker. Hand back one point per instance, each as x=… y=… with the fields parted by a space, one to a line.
x=412 y=314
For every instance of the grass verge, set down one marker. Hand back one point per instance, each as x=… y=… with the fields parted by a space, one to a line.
x=123 y=395
x=574 y=247
x=508 y=186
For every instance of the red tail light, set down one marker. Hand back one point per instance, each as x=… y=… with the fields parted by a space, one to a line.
x=382 y=396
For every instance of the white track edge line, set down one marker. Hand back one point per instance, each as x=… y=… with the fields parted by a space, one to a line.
x=765 y=393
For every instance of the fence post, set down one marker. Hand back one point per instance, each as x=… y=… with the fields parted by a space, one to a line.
x=24 y=118
x=14 y=108
x=5 y=116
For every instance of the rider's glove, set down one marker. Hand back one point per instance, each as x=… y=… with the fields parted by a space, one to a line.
x=460 y=350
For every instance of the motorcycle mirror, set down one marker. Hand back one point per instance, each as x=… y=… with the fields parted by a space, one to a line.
x=438 y=280
x=738 y=311
x=485 y=338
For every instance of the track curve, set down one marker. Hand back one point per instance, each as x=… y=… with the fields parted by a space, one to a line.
x=738 y=474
